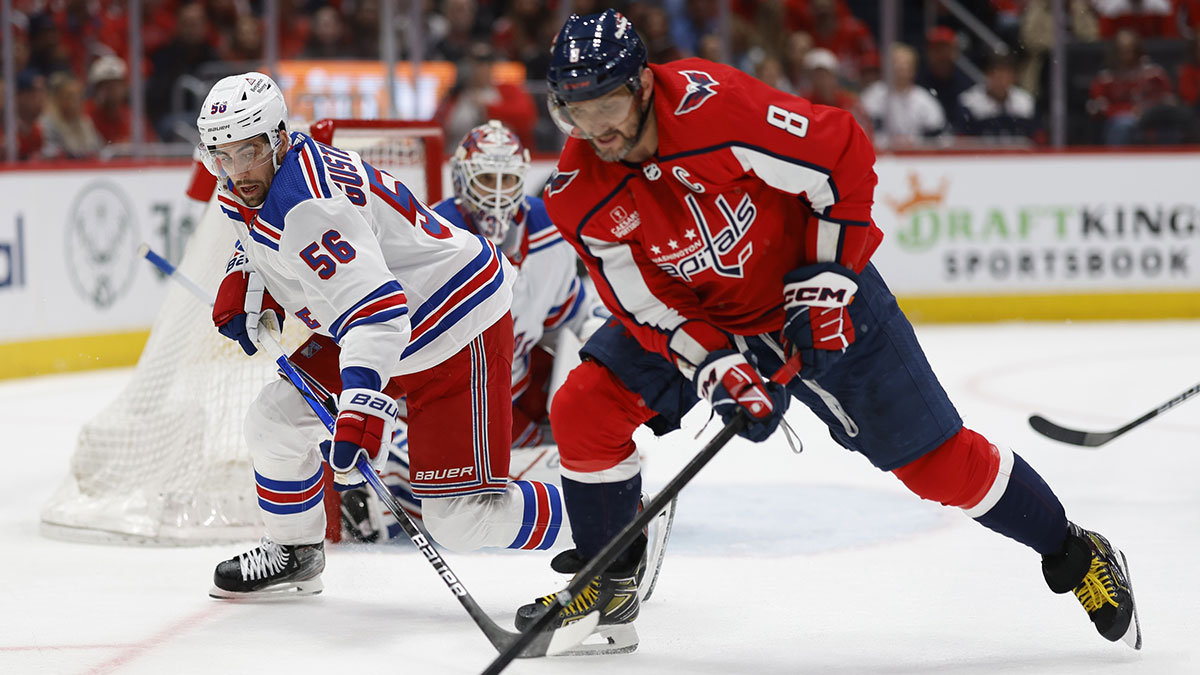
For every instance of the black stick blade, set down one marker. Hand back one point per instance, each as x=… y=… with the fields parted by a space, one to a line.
x=1086 y=439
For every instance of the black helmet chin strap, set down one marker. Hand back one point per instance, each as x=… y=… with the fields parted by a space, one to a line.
x=643 y=115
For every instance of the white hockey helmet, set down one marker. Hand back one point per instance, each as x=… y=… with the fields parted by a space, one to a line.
x=240 y=107
x=488 y=169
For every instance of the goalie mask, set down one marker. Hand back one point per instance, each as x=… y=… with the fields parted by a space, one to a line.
x=488 y=169
x=247 y=108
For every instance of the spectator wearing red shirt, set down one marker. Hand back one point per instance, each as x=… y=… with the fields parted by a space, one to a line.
x=1122 y=94
x=1189 y=76
x=476 y=98
x=837 y=30
x=108 y=103
x=825 y=89
x=1147 y=18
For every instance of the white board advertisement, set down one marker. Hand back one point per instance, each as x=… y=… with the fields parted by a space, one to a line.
x=1015 y=224
x=68 y=248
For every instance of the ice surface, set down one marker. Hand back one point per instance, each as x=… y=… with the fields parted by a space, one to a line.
x=779 y=563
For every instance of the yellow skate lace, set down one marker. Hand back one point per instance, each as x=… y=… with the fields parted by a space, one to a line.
x=582 y=603
x=1097 y=588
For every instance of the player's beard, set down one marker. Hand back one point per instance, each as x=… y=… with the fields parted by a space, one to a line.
x=615 y=154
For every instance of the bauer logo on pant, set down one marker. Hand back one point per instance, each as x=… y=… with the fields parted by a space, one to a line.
x=456 y=472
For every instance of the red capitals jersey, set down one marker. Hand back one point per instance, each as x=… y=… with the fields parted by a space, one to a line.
x=748 y=183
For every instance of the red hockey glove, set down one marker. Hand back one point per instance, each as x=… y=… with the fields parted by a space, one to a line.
x=818 y=323
x=727 y=381
x=364 y=427
x=241 y=301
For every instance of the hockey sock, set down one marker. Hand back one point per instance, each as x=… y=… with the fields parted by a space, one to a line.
x=542 y=517
x=1028 y=511
x=598 y=511
x=994 y=486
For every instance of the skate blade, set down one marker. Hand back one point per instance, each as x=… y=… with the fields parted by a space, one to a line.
x=616 y=639
x=658 y=548
x=290 y=589
x=572 y=634
x=1133 y=634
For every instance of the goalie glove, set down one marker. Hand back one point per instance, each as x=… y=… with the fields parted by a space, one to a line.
x=364 y=427
x=727 y=381
x=818 y=325
x=242 y=302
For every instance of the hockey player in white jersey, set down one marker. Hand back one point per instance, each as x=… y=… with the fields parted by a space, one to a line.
x=488 y=169
x=400 y=303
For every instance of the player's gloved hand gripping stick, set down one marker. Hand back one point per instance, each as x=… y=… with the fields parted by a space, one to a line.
x=621 y=541
x=322 y=404
x=816 y=299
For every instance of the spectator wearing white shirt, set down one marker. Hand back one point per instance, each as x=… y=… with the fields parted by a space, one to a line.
x=906 y=115
x=996 y=107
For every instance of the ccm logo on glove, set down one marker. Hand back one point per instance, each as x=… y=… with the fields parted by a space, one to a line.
x=827 y=289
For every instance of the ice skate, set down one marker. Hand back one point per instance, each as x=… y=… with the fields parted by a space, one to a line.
x=1098 y=575
x=613 y=593
x=271 y=569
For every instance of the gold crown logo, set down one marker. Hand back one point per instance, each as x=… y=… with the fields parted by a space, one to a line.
x=919 y=197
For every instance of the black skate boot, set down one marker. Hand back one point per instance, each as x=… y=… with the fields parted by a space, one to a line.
x=1099 y=576
x=614 y=593
x=653 y=546
x=271 y=569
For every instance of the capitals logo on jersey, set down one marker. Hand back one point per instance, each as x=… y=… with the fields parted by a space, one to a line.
x=700 y=87
x=559 y=181
x=709 y=248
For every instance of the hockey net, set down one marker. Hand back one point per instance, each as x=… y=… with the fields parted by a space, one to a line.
x=165 y=462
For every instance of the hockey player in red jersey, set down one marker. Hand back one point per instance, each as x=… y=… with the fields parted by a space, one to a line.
x=727 y=226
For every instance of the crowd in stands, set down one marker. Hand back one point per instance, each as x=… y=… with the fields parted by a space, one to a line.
x=1135 y=63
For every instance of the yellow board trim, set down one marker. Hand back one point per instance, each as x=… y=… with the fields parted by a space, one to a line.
x=60 y=355
x=1058 y=307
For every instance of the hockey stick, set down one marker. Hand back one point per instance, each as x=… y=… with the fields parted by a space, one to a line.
x=623 y=538
x=1093 y=439
x=558 y=641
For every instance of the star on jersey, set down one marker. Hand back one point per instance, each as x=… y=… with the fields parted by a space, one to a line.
x=690 y=234
x=655 y=250
x=673 y=244
x=700 y=88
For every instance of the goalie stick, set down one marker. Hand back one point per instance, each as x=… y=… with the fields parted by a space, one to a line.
x=322 y=404
x=623 y=538
x=1093 y=439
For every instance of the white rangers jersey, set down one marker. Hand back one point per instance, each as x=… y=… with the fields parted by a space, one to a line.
x=549 y=294
x=350 y=252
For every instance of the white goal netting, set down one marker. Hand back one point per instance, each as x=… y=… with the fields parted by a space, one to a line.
x=165 y=462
